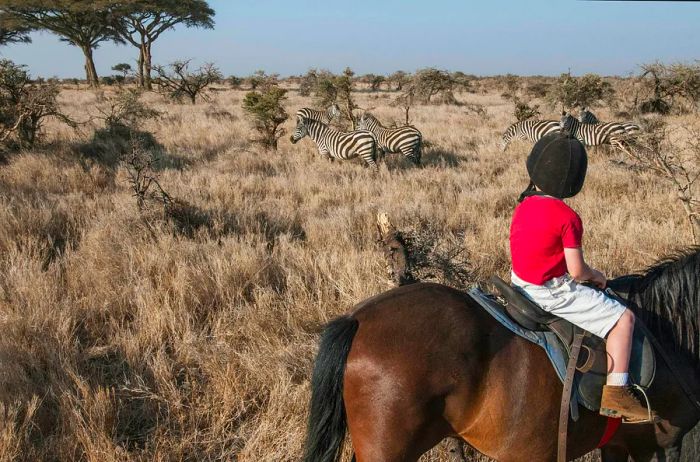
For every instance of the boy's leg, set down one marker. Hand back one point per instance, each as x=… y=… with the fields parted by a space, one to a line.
x=619 y=347
x=606 y=318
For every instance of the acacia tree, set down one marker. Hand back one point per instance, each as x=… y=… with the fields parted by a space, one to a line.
x=12 y=31
x=664 y=85
x=124 y=68
x=431 y=82
x=179 y=81
x=141 y=22
x=675 y=158
x=81 y=24
x=399 y=79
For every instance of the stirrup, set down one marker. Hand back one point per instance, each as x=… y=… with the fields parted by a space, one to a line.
x=649 y=420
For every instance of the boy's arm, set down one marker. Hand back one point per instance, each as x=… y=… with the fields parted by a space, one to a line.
x=579 y=269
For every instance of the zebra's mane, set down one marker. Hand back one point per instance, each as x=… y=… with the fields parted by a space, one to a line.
x=369 y=116
x=667 y=296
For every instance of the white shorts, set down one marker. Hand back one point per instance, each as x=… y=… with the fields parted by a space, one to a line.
x=583 y=306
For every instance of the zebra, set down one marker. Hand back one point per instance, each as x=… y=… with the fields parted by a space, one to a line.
x=334 y=144
x=613 y=133
x=406 y=140
x=587 y=117
x=325 y=117
x=532 y=130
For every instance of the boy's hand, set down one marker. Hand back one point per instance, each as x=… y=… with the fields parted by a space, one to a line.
x=598 y=279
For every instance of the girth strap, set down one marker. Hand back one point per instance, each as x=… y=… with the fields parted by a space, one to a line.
x=566 y=396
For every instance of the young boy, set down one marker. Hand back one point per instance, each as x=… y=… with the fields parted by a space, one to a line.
x=548 y=265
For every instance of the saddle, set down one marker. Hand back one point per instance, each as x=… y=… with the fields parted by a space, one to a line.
x=591 y=362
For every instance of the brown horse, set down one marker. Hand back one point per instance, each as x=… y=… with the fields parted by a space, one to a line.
x=422 y=362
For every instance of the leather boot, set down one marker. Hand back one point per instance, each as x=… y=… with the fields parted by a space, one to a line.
x=621 y=402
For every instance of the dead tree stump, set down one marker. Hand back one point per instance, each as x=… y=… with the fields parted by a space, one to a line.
x=395 y=252
x=399 y=269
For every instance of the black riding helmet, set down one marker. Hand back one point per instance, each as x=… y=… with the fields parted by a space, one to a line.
x=557 y=165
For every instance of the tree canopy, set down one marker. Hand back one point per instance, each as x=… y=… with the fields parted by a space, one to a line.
x=13 y=31
x=141 y=22
x=79 y=23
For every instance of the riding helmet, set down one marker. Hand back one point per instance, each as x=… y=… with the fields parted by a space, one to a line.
x=557 y=165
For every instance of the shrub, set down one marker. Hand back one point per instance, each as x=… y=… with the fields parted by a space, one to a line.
x=308 y=82
x=431 y=82
x=330 y=89
x=660 y=150
x=123 y=119
x=24 y=106
x=265 y=110
x=524 y=111
x=235 y=82
x=374 y=81
x=462 y=81
x=666 y=86
x=178 y=82
x=511 y=84
x=569 y=91
x=398 y=79
x=405 y=101
x=260 y=78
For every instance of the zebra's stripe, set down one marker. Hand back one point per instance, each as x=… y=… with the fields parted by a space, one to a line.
x=594 y=134
x=325 y=117
x=406 y=140
x=531 y=130
x=338 y=145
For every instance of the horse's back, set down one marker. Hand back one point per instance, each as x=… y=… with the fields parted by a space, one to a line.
x=427 y=361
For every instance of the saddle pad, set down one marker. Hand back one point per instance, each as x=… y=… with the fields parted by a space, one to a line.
x=587 y=387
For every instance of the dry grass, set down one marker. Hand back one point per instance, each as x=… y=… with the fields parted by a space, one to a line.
x=119 y=343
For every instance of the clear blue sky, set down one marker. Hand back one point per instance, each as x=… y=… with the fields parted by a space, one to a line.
x=485 y=37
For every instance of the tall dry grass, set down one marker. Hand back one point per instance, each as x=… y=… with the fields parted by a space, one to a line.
x=124 y=343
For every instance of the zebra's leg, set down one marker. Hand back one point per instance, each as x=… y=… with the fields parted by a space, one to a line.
x=325 y=154
x=369 y=157
x=381 y=154
x=412 y=154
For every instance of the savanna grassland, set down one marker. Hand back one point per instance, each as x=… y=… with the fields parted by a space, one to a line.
x=127 y=339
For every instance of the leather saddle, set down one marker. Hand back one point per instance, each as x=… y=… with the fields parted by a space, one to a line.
x=592 y=359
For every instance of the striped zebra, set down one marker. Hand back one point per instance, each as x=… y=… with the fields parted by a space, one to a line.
x=333 y=144
x=406 y=140
x=325 y=117
x=531 y=130
x=587 y=117
x=613 y=133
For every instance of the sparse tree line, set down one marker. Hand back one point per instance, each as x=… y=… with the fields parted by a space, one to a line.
x=86 y=25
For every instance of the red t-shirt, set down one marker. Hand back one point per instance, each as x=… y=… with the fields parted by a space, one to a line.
x=542 y=227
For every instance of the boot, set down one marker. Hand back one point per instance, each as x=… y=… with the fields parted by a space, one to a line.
x=621 y=402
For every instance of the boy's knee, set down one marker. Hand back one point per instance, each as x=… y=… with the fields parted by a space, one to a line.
x=627 y=318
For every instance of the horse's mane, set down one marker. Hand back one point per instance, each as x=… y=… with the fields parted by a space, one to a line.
x=667 y=296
